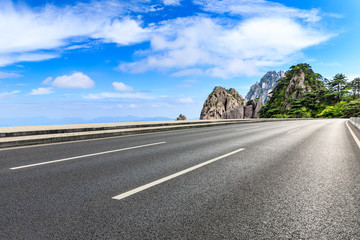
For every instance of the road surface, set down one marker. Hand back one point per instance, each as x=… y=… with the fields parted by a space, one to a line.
x=274 y=180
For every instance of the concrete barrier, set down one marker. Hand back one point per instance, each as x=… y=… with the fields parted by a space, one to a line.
x=32 y=135
x=356 y=122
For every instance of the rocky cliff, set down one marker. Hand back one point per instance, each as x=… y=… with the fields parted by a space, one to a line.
x=222 y=103
x=267 y=83
x=228 y=104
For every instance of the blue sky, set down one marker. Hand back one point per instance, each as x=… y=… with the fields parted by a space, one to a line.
x=113 y=58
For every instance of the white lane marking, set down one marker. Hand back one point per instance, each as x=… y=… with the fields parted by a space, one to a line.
x=164 y=179
x=294 y=130
x=88 y=155
x=353 y=134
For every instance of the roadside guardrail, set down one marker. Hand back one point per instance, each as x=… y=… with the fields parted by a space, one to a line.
x=356 y=122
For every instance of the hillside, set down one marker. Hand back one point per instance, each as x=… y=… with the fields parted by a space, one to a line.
x=305 y=94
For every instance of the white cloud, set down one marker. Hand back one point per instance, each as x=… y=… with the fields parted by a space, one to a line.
x=185 y=100
x=133 y=106
x=124 y=32
x=103 y=95
x=172 y=2
x=8 y=75
x=188 y=72
x=41 y=91
x=261 y=34
x=225 y=51
x=76 y=80
x=258 y=8
x=48 y=80
x=351 y=77
x=8 y=94
x=122 y=87
x=26 y=31
x=9 y=58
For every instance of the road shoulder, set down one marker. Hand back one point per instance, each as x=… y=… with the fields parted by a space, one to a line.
x=355 y=131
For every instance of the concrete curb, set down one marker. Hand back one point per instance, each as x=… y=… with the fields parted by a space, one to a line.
x=64 y=133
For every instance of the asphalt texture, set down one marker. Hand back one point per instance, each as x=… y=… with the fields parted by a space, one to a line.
x=294 y=180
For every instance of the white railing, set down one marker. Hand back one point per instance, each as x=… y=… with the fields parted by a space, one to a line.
x=356 y=122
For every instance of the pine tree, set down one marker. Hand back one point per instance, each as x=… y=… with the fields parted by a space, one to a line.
x=339 y=85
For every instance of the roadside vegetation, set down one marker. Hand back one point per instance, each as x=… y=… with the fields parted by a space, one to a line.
x=306 y=94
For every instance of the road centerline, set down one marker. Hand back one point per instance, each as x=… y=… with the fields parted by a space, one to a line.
x=164 y=179
x=87 y=155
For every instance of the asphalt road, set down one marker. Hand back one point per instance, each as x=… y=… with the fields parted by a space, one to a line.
x=274 y=180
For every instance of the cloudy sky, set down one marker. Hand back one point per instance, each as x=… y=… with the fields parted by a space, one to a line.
x=113 y=58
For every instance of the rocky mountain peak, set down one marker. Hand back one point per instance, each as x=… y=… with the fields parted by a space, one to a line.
x=228 y=104
x=260 y=90
x=219 y=101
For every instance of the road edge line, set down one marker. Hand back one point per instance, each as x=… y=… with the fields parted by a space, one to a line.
x=353 y=134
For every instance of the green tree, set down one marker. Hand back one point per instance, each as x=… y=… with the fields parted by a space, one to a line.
x=352 y=109
x=333 y=111
x=339 y=85
x=355 y=86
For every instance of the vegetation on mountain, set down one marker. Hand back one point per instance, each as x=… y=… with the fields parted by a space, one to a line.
x=302 y=93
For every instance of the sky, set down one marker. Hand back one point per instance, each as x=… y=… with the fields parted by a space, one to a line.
x=111 y=59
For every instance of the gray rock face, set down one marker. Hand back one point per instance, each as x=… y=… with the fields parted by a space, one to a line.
x=267 y=83
x=237 y=113
x=249 y=111
x=222 y=101
x=296 y=86
x=229 y=104
x=259 y=105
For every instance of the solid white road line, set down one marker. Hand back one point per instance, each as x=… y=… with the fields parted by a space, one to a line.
x=294 y=130
x=353 y=134
x=88 y=155
x=161 y=180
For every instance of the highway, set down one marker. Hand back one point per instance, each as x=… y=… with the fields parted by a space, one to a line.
x=272 y=180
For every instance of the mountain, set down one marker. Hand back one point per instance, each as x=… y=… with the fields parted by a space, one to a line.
x=267 y=83
x=222 y=102
x=228 y=104
x=288 y=97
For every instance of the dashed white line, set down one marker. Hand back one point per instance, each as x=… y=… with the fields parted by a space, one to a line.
x=161 y=180
x=87 y=155
x=353 y=135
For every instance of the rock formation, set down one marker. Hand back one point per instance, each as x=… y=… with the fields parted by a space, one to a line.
x=181 y=117
x=229 y=104
x=267 y=83
x=222 y=103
